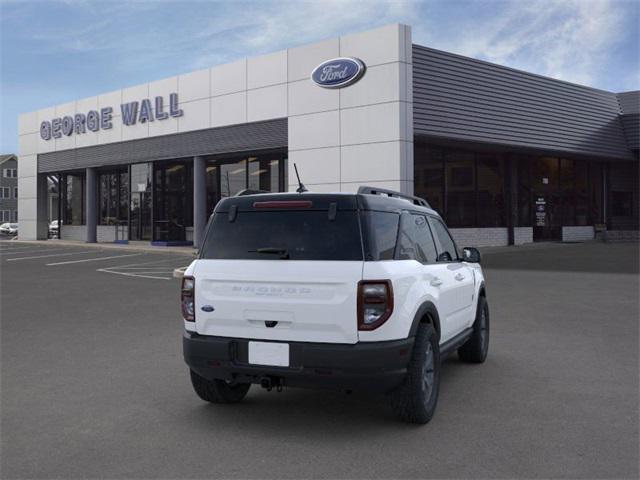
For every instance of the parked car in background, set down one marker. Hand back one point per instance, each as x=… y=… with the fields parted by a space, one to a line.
x=54 y=229
x=9 y=229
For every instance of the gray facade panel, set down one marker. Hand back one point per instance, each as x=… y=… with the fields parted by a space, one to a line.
x=470 y=100
x=630 y=108
x=629 y=101
x=631 y=127
x=236 y=138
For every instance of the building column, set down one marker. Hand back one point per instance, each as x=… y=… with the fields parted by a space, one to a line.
x=199 y=200
x=91 y=207
x=42 y=216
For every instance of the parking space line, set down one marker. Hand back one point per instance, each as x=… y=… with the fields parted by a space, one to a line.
x=39 y=250
x=92 y=259
x=128 y=274
x=150 y=270
x=51 y=255
x=16 y=248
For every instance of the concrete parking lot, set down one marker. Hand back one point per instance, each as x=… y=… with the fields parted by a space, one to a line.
x=94 y=385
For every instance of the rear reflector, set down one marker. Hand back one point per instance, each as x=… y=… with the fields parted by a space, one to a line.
x=284 y=204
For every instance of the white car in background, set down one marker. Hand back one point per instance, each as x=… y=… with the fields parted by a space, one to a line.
x=9 y=229
x=54 y=229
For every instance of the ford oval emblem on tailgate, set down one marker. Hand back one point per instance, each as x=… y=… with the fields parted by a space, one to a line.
x=207 y=308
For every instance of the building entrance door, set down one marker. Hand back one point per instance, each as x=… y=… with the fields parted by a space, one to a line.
x=140 y=219
x=546 y=200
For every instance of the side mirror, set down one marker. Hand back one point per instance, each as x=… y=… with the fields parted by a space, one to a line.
x=471 y=255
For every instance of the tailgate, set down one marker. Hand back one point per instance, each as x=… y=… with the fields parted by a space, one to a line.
x=306 y=301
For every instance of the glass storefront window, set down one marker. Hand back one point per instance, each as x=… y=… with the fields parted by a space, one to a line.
x=523 y=165
x=73 y=199
x=596 y=192
x=623 y=199
x=113 y=198
x=567 y=191
x=141 y=177
x=123 y=196
x=233 y=178
x=140 y=201
x=548 y=192
x=460 y=188
x=429 y=176
x=173 y=201
x=581 y=172
x=491 y=199
x=228 y=176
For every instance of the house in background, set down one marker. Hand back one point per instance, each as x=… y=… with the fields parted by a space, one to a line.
x=9 y=188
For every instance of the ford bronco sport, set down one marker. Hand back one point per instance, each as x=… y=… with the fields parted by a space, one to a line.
x=360 y=291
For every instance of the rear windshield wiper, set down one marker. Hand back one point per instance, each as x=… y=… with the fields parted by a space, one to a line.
x=283 y=252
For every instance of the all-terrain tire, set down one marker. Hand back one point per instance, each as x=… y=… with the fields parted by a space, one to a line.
x=218 y=391
x=415 y=400
x=476 y=348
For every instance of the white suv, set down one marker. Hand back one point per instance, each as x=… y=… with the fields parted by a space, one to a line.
x=359 y=291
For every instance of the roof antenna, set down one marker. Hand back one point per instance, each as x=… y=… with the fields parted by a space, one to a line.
x=301 y=188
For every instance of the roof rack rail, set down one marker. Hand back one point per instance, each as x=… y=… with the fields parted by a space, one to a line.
x=392 y=193
x=248 y=191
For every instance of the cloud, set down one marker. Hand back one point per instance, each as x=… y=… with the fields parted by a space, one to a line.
x=264 y=27
x=569 y=40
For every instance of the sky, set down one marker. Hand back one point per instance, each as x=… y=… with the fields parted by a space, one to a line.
x=55 y=51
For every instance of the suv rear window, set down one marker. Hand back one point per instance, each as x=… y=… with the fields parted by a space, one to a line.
x=293 y=235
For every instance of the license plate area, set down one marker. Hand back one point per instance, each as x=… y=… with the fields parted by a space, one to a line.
x=269 y=353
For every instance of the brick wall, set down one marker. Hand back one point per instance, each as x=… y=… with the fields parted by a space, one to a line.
x=107 y=233
x=480 y=237
x=615 y=236
x=577 y=234
x=522 y=235
x=74 y=232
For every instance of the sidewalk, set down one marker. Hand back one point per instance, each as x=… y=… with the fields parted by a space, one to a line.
x=131 y=246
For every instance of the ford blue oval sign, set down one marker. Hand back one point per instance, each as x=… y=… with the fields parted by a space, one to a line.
x=338 y=73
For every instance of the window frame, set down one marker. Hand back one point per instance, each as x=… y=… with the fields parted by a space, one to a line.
x=436 y=239
x=403 y=215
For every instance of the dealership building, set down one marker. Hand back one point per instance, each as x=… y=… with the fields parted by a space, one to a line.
x=506 y=156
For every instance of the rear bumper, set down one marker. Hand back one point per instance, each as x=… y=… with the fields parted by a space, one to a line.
x=374 y=366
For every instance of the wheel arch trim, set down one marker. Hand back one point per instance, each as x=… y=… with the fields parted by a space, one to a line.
x=427 y=308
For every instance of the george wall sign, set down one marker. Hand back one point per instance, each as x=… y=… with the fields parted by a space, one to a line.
x=339 y=72
x=95 y=120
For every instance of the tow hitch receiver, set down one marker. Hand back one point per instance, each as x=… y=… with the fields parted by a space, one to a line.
x=271 y=382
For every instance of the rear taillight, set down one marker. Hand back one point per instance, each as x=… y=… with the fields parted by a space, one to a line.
x=188 y=295
x=375 y=303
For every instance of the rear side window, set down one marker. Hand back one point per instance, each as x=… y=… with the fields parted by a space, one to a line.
x=284 y=235
x=415 y=241
x=381 y=234
x=446 y=247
